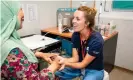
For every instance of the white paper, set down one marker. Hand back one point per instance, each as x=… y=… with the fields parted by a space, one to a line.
x=37 y=41
x=32 y=12
x=108 y=6
x=83 y=3
x=100 y=10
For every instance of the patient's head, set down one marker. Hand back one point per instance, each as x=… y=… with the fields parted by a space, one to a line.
x=20 y=17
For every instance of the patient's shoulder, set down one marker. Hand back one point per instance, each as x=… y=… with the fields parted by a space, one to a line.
x=16 y=50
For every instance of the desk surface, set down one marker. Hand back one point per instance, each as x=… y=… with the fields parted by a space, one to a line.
x=54 y=30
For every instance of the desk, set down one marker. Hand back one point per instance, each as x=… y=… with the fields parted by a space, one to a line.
x=54 y=31
x=109 y=49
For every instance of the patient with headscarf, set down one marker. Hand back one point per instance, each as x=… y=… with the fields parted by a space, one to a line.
x=17 y=61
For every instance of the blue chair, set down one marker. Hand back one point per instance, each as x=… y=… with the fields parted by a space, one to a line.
x=67 y=47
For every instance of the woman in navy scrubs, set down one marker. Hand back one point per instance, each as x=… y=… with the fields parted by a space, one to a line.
x=87 y=54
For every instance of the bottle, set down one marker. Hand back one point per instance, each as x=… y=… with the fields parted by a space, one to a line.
x=112 y=26
x=100 y=9
x=60 y=18
x=65 y=21
x=107 y=30
x=60 y=28
x=102 y=30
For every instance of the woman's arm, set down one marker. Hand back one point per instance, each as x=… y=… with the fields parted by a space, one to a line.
x=45 y=56
x=74 y=58
x=54 y=65
x=79 y=65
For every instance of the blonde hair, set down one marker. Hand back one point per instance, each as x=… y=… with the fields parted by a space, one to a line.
x=89 y=14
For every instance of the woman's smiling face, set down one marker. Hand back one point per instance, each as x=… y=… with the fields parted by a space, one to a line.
x=79 y=21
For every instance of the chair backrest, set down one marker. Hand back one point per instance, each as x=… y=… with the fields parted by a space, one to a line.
x=67 y=46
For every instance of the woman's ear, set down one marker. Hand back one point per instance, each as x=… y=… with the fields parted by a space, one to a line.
x=87 y=23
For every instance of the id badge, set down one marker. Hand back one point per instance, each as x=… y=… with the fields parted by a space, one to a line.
x=83 y=73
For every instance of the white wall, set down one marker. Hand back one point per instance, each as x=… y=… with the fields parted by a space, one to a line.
x=77 y=3
x=46 y=10
x=46 y=16
x=124 y=22
x=124 y=52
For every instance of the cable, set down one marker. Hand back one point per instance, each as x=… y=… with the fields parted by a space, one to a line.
x=45 y=35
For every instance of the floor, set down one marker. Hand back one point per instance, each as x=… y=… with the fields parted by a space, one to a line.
x=119 y=74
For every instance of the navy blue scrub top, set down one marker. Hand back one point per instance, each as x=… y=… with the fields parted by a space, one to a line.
x=93 y=47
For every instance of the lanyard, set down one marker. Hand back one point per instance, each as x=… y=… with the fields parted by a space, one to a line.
x=84 y=44
x=83 y=47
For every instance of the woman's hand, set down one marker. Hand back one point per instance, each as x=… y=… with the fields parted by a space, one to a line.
x=62 y=67
x=49 y=57
x=54 y=65
x=62 y=62
x=46 y=56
